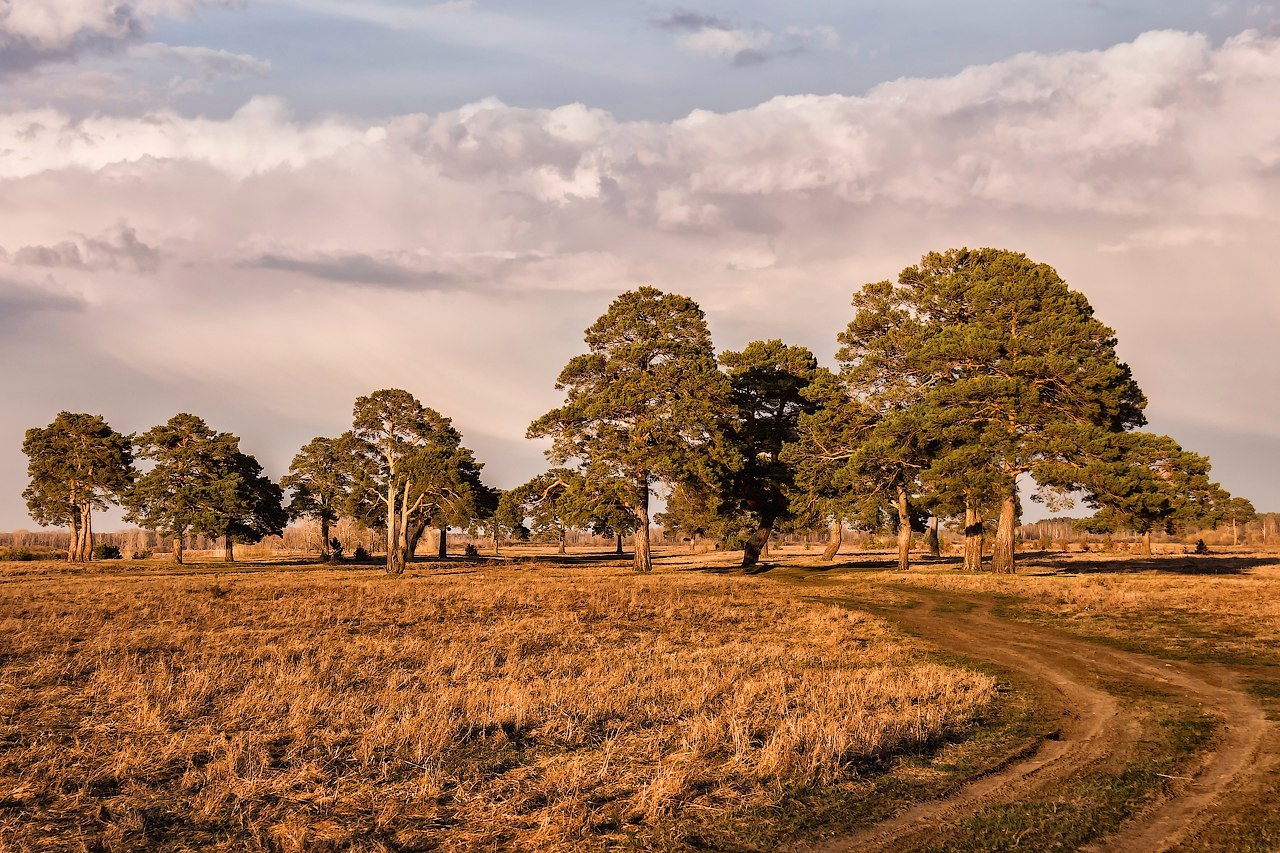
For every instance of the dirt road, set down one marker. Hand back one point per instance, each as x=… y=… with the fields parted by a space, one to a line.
x=1084 y=684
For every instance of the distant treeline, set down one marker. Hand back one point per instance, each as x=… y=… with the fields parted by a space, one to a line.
x=973 y=372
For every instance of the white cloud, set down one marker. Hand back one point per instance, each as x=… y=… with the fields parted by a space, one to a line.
x=707 y=35
x=33 y=32
x=297 y=264
x=711 y=41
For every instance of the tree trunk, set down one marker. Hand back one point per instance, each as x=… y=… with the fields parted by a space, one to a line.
x=561 y=549
x=86 y=538
x=413 y=536
x=495 y=541
x=643 y=559
x=1146 y=543
x=757 y=543
x=618 y=545
x=73 y=549
x=904 y=531
x=935 y=547
x=1235 y=538
x=228 y=549
x=177 y=550
x=1002 y=560
x=972 y=538
x=443 y=552
x=395 y=556
x=835 y=537
x=325 y=553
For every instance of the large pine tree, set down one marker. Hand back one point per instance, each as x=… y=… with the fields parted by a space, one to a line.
x=1002 y=362
x=77 y=464
x=643 y=405
x=200 y=482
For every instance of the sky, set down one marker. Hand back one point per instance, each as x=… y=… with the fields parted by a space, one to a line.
x=257 y=211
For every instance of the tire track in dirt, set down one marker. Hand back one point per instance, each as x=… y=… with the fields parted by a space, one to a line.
x=1072 y=674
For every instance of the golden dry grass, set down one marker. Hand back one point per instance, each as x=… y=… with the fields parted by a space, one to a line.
x=324 y=709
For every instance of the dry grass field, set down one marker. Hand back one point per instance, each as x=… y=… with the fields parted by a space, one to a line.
x=469 y=708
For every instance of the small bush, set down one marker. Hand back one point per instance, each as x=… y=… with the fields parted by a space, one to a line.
x=144 y=554
x=103 y=551
x=1201 y=548
x=17 y=555
x=360 y=555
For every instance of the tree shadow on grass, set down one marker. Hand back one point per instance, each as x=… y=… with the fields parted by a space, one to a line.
x=1179 y=564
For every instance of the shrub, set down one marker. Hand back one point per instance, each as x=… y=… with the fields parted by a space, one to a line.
x=144 y=554
x=360 y=555
x=103 y=551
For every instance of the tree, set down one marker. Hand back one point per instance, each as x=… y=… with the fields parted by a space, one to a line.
x=994 y=349
x=410 y=461
x=320 y=479
x=195 y=484
x=1237 y=511
x=642 y=405
x=1144 y=482
x=767 y=381
x=508 y=520
x=77 y=464
x=553 y=502
x=250 y=505
x=827 y=490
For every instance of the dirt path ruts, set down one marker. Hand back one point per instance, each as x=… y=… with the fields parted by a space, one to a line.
x=1073 y=674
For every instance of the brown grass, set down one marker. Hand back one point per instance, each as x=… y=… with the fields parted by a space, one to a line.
x=554 y=708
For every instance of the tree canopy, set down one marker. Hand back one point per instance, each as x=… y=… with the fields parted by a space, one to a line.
x=643 y=405
x=991 y=348
x=200 y=482
x=77 y=464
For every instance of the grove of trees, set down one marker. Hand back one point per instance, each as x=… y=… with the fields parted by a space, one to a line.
x=971 y=374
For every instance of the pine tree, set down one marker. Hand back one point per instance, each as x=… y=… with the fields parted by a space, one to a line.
x=198 y=484
x=1237 y=511
x=767 y=382
x=554 y=504
x=411 y=464
x=77 y=464
x=642 y=406
x=993 y=350
x=827 y=490
x=1143 y=483
x=320 y=479
x=251 y=506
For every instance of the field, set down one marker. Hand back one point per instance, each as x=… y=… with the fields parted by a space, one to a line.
x=308 y=707
x=539 y=703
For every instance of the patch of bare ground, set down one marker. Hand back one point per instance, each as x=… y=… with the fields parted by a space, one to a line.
x=476 y=709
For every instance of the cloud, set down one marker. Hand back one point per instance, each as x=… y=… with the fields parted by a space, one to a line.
x=20 y=301
x=215 y=62
x=35 y=33
x=745 y=46
x=358 y=268
x=461 y=254
x=120 y=248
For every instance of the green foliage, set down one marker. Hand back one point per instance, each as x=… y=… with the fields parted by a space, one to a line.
x=1145 y=482
x=827 y=489
x=201 y=483
x=320 y=478
x=77 y=464
x=643 y=405
x=104 y=551
x=767 y=382
x=408 y=462
x=553 y=504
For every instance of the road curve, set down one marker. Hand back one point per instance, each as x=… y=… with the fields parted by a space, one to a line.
x=1074 y=675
